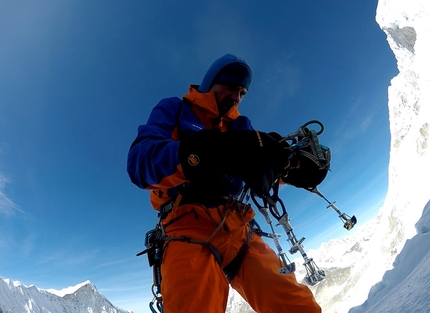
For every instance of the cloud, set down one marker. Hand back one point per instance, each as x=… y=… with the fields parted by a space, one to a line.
x=7 y=206
x=357 y=120
x=367 y=122
x=69 y=257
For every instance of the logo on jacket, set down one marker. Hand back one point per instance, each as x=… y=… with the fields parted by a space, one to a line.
x=193 y=160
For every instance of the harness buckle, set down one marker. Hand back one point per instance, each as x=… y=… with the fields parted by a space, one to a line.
x=239 y=207
x=166 y=208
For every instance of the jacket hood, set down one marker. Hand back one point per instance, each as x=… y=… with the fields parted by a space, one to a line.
x=206 y=109
x=228 y=69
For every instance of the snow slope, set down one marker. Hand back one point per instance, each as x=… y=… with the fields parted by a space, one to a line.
x=406 y=287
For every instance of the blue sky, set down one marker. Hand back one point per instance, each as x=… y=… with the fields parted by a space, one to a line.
x=78 y=77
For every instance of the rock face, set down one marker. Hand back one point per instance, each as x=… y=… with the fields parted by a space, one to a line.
x=355 y=264
x=407 y=26
x=16 y=297
x=376 y=245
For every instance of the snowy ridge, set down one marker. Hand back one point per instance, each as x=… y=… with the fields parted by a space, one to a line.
x=376 y=246
x=68 y=290
x=352 y=266
x=407 y=25
x=83 y=298
x=405 y=287
x=384 y=245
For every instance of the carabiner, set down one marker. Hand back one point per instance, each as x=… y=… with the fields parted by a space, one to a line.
x=315 y=122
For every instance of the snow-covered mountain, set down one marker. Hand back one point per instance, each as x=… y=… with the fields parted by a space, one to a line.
x=354 y=264
x=405 y=287
x=15 y=297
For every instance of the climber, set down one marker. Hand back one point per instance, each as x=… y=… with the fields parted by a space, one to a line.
x=194 y=154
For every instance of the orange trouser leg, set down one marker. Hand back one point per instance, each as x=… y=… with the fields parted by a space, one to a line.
x=267 y=291
x=192 y=279
x=193 y=282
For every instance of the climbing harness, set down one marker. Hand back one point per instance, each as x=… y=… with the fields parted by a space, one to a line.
x=156 y=241
x=309 y=165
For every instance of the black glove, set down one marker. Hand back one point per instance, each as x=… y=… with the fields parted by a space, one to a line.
x=286 y=146
x=254 y=156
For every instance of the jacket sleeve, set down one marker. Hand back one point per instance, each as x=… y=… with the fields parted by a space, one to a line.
x=153 y=160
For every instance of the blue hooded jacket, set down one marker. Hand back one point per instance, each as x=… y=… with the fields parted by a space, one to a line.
x=153 y=160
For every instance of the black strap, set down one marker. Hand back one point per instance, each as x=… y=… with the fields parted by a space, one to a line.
x=231 y=269
x=166 y=208
x=208 y=245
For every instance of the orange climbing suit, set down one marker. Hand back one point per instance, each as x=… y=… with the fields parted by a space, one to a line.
x=192 y=279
